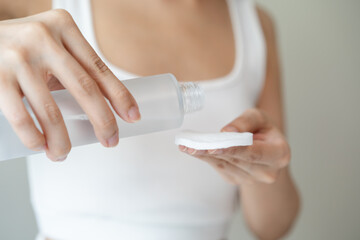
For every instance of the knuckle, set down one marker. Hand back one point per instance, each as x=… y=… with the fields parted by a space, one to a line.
x=254 y=111
x=36 y=29
x=243 y=126
x=62 y=16
x=285 y=153
x=284 y=161
x=234 y=160
x=251 y=112
x=269 y=177
x=100 y=66
x=107 y=123
x=280 y=143
x=53 y=113
x=259 y=115
x=122 y=94
x=87 y=84
x=256 y=114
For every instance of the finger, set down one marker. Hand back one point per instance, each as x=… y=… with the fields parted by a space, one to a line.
x=260 y=152
x=236 y=160
x=18 y=116
x=86 y=92
x=260 y=172
x=53 y=83
x=182 y=148
x=227 y=170
x=252 y=154
x=46 y=111
x=219 y=167
x=236 y=156
x=251 y=120
x=120 y=98
x=196 y=153
x=191 y=151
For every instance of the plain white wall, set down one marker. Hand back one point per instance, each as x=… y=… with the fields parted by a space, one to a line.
x=319 y=41
x=319 y=44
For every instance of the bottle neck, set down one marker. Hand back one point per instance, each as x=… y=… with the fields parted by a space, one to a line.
x=192 y=97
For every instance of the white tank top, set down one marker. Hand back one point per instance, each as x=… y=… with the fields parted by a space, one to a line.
x=145 y=188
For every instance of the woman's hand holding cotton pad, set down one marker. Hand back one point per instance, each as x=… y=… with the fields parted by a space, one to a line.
x=249 y=149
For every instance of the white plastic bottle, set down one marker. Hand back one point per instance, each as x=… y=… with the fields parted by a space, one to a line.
x=162 y=102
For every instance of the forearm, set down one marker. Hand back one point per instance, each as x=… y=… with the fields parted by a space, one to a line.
x=270 y=209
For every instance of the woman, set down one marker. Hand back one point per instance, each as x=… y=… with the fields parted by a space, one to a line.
x=146 y=188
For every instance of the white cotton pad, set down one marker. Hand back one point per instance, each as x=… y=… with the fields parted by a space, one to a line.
x=205 y=141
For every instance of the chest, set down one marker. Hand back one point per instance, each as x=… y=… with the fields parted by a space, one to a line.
x=191 y=44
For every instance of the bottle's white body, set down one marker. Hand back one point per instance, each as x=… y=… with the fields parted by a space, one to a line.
x=160 y=102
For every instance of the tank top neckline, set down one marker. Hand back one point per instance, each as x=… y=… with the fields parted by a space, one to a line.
x=223 y=81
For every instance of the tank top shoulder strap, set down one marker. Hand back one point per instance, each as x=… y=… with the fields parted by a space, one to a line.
x=80 y=10
x=253 y=49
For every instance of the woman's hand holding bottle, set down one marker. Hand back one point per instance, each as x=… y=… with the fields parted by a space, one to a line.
x=46 y=52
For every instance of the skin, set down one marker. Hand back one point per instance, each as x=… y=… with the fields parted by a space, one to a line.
x=201 y=31
x=46 y=52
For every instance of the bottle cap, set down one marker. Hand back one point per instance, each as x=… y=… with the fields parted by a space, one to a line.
x=192 y=97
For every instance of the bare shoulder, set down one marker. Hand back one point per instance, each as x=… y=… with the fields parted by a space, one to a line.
x=21 y=8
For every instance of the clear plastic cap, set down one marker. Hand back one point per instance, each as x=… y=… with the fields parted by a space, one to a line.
x=192 y=96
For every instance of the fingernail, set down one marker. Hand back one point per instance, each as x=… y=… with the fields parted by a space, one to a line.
x=182 y=148
x=230 y=129
x=112 y=142
x=219 y=151
x=192 y=151
x=60 y=159
x=212 y=151
x=134 y=114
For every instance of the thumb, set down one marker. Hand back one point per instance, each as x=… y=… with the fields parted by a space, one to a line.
x=252 y=120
